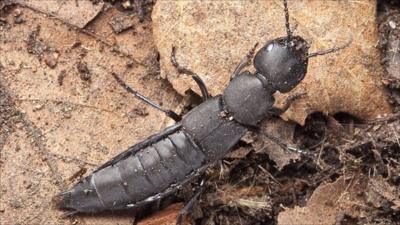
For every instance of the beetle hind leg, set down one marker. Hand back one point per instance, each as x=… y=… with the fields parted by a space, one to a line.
x=69 y=214
x=189 y=205
x=173 y=115
x=285 y=146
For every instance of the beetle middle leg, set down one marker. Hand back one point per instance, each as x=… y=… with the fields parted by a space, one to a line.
x=173 y=115
x=195 y=77
x=279 y=111
x=184 y=211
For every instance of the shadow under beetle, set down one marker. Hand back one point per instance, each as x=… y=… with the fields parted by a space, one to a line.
x=158 y=166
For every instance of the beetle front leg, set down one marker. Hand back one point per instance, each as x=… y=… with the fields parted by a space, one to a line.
x=279 y=111
x=244 y=62
x=195 y=77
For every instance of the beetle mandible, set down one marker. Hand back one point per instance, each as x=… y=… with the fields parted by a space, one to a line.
x=161 y=164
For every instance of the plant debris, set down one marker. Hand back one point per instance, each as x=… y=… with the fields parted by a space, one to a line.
x=65 y=127
x=77 y=13
x=51 y=59
x=389 y=20
x=83 y=71
x=121 y=23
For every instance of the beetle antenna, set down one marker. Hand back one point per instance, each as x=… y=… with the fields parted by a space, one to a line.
x=330 y=50
x=288 y=31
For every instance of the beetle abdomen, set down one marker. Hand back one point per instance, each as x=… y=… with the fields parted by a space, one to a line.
x=153 y=168
x=138 y=177
x=214 y=130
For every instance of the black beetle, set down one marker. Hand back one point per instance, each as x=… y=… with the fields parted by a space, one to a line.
x=161 y=164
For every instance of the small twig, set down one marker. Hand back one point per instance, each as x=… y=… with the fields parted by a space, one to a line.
x=240 y=218
x=395 y=134
x=54 y=101
x=270 y=175
x=388 y=119
x=114 y=47
x=319 y=156
x=323 y=140
x=346 y=189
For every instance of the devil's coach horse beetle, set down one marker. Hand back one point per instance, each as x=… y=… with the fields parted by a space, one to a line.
x=161 y=164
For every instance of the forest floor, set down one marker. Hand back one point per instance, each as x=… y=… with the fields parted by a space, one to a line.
x=62 y=115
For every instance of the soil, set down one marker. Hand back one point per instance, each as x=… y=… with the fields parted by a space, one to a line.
x=62 y=115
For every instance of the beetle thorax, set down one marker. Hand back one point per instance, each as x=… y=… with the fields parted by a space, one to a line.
x=248 y=99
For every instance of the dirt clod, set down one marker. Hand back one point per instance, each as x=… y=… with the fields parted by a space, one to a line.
x=389 y=25
x=15 y=203
x=121 y=23
x=139 y=112
x=83 y=70
x=51 y=59
x=61 y=76
x=35 y=46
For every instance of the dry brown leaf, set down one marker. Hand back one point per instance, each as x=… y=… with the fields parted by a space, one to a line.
x=390 y=41
x=78 y=13
x=213 y=36
x=121 y=23
x=77 y=124
x=327 y=203
x=27 y=183
x=380 y=192
x=251 y=197
x=253 y=200
x=168 y=216
x=282 y=130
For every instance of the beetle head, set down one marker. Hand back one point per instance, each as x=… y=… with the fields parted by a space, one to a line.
x=283 y=62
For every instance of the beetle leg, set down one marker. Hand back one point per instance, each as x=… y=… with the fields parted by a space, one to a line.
x=195 y=77
x=244 y=62
x=285 y=146
x=173 y=115
x=69 y=214
x=183 y=212
x=279 y=111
